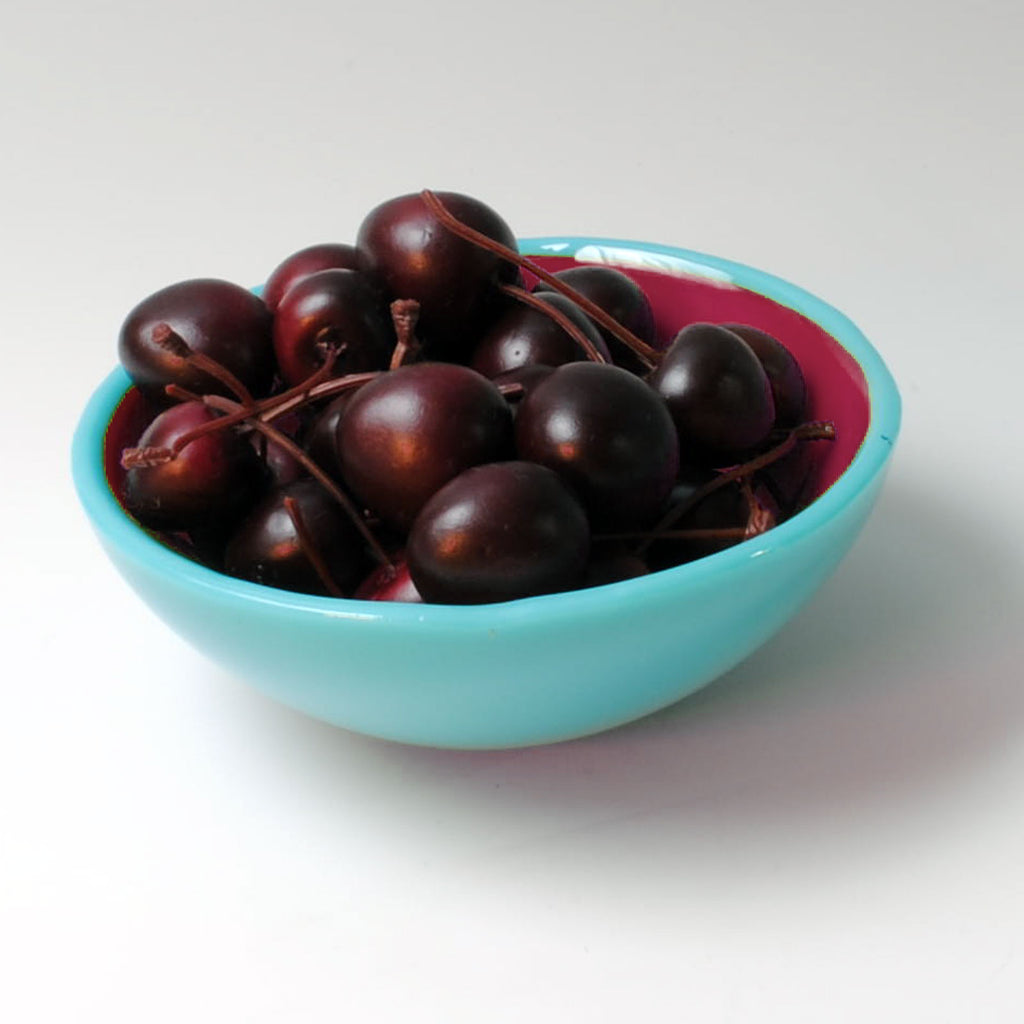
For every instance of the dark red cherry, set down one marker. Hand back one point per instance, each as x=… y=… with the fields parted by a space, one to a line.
x=321 y=554
x=403 y=245
x=389 y=583
x=305 y=262
x=792 y=480
x=725 y=517
x=216 y=318
x=497 y=533
x=282 y=467
x=331 y=309
x=212 y=481
x=522 y=336
x=608 y=435
x=717 y=392
x=622 y=298
x=725 y=509
x=322 y=438
x=789 y=390
x=522 y=381
x=611 y=564
x=411 y=430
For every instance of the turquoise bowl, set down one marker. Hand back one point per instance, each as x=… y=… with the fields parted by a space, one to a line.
x=547 y=668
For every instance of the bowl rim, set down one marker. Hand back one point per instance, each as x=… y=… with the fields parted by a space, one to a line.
x=118 y=530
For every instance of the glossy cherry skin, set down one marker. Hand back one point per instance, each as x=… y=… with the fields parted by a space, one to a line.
x=497 y=533
x=305 y=262
x=608 y=435
x=789 y=390
x=524 y=379
x=717 y=392
x=331 y=307
x=411 y=430
x=523 y=336
x=622 y=298
x=267 y=548
x=281 y=466
x=389 y=583
x=321 y=440
x=217 y=318
x=212 y=482
x=405 y=247
x=792 y=480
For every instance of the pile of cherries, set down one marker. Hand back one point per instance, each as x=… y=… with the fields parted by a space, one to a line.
x=429 y=416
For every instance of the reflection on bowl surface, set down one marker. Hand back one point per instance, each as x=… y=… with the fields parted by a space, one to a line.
x=545 y=668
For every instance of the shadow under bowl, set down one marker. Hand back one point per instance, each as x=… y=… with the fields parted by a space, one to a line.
x=547 y=668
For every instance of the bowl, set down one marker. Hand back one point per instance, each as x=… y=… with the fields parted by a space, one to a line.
x=549 y=668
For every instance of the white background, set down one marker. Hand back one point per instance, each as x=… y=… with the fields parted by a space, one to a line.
x=832 y=832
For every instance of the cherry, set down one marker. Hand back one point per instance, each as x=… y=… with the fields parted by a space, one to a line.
x=305 y=262
x=518 y=383
x=282 y=467
x=764 y=509
x=322 y=438
x=791 y=479
x=331 y=309
x=717 y=392
x=403 y=244
x=647 y=355
x=723 y=512
x=496 y=533
x=411 y=430
x=608 y=435
x=610 y=565
x=723 y=518
x=210 y=483
x=389 y=584
x=216 y=319
x=619 y=296
x=789 y=391
x=522 y=336
x=298 y=538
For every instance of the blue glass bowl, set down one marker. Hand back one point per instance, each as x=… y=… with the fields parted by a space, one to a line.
x=546 y=668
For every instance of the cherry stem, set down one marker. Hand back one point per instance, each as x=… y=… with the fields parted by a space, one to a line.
x=328 y=344
x=275 y=435
x=511 y=389
x=166 y=337
x=300 y=391
x=759 y=517
x=816 y=430
x=405 y=314
x=649 y=356
x=143 y=458
x=269 y=408
x=289 y=402
x=181 y=394
x=309 y=547
x=531 y=300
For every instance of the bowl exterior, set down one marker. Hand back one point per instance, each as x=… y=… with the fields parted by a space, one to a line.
x=510 y=680
x=525 y=672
